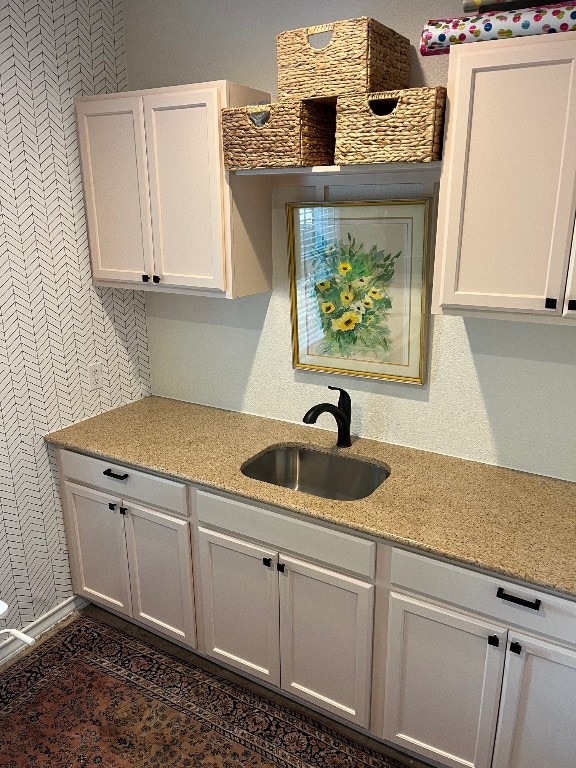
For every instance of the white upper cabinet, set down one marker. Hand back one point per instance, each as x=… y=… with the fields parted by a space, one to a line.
x=113 y=152
x=508 y=187
x=161 y=210
x=186 y=187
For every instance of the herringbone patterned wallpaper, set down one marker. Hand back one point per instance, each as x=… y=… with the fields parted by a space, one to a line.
x=52 y=321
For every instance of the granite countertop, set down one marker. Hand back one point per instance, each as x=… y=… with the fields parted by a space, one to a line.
x=509 y=522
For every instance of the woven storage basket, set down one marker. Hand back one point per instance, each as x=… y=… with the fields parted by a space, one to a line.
x=411 y=132
x=297 y=133
x=363 y=55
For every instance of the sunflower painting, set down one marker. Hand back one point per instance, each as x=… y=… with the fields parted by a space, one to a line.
x=354 y=298
x=357 y=277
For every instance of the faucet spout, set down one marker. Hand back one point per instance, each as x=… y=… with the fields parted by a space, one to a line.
x=342 y=421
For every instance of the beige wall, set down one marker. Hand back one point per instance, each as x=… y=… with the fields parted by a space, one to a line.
x=498 y=391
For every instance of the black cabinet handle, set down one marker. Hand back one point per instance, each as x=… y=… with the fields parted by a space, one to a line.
x=108 y=472
x=123 y=510
x=280 y=567
x=515 y=647
x=145 y=278
x=156 y=278
x=533 y=604
x=267 y=562
x=112 y=506
x=572 y=305
x=494 y=640
x=550 y=303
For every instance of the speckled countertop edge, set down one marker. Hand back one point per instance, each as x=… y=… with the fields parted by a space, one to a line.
x=499 y=520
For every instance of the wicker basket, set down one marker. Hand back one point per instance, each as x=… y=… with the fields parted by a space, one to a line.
x=395 y=126
x=290 y=133
x=363 y=55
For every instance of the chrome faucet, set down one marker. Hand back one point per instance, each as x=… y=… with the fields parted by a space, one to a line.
x=341 y=412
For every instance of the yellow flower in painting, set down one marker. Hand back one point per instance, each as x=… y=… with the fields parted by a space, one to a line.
x=328 y=307
x=367 y=302
x=347 y=322
x=323 y=285
x=361 y=282
x=374 y=293
x=346 y=297
x=344 y=267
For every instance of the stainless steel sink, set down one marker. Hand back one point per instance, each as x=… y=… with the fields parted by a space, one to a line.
x=306 y=469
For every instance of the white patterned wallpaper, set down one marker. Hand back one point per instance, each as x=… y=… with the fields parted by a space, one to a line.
x=53 y=323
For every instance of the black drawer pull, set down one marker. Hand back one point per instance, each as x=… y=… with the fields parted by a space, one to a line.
x=267 y=562
x=108 y=472
x=571 y=305
x=280 y=567
x=515 y=647
x=494 y=640
x=534 y=604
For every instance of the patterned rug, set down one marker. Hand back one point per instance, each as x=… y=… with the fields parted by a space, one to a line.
x=91 y=695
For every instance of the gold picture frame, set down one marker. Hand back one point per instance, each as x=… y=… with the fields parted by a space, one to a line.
x=358 y=287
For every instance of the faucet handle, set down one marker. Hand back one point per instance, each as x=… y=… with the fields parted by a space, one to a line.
x=344 y=402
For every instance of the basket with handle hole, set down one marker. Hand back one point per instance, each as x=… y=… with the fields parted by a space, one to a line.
x=289 y=133
x=362 y=55
x=392 y=126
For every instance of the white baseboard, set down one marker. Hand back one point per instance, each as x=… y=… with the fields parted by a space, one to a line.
x=12 y=646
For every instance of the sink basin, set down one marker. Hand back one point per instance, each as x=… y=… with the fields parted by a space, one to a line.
x=306 y=469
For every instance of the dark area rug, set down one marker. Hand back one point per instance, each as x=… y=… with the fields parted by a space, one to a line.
x=91 y=695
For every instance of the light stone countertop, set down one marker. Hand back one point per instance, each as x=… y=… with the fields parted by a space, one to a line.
x=501 y=520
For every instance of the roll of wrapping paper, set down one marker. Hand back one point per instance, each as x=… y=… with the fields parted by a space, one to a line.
x=439 y=34
x=480 y=6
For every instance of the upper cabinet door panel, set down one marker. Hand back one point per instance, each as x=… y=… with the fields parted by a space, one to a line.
x=186 y=180
x=508 y=192
x=113 y=154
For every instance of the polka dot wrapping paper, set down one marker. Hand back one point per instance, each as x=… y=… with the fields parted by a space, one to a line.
x=439 y=34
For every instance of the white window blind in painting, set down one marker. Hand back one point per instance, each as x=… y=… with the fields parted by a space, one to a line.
x=317 y=232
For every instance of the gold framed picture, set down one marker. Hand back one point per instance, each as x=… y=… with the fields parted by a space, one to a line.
x=358 y=287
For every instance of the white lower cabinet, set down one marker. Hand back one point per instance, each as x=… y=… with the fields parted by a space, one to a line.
x=132 y=559
x=294 y=624
x=479 y=673
x=326 y=638
x=537 y=725
x=443 y=682
x=98 y=548
x=240 y=601
x=469 y=691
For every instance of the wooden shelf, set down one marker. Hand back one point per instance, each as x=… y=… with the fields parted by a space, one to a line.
x=428 y=169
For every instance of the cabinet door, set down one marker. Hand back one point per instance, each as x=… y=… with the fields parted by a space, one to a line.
x=326 y=638
x=98 y=548
x=508 y=195
x=570 y=298
x=113 y=157
x=239 y=596
x=537 y=724
x=160 y=562
x=443 y=682
x=186 y=187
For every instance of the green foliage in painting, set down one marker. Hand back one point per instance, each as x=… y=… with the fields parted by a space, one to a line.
x=352 y=290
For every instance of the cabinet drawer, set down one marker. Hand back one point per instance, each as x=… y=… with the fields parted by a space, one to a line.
x=478 y=593
x=156 y=491
x=350 y=553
